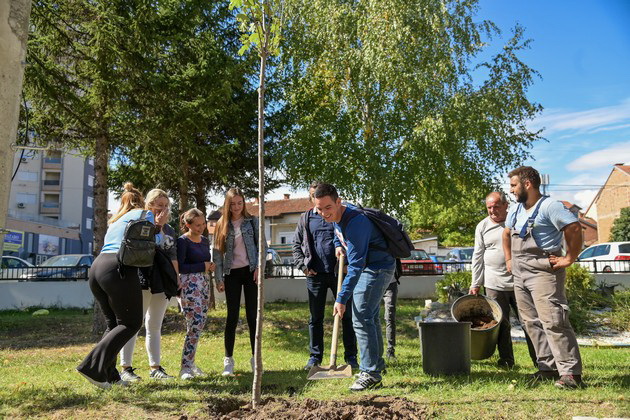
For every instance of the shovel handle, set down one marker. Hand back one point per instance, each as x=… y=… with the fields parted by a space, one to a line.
x=335 y=334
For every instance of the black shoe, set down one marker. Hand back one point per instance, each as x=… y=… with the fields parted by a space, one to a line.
x=506 y=364
x=313 y=361
x=352 y=361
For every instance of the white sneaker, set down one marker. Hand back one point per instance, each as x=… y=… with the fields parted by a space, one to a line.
x=228 y=366
x=186 y=373
x=197 y=372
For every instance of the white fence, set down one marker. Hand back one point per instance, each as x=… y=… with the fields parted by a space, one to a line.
x=77 y=294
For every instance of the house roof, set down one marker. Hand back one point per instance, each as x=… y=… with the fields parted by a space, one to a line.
x=568 y=205
x=274 y=208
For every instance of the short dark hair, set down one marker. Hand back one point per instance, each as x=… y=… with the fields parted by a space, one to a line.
x=326 y=190
x=526 y=173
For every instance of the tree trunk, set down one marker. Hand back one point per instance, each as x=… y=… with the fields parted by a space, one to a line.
x=258 y=365
x=101 y=161
x=183 y=189
x=14 y=17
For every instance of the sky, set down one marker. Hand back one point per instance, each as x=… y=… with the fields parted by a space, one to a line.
x=582 y=51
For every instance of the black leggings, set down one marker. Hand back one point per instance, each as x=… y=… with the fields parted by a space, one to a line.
x=240 y=278
x=120 y=298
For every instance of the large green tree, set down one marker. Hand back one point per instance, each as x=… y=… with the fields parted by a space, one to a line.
x=198 y=107
x=383 y=98
x=620 y=231
x=76 y=83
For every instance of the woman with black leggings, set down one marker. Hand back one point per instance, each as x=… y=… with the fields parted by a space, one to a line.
x=118 y=292
x=235 y=253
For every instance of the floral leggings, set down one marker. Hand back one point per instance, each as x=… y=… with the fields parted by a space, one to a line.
x=194 y=303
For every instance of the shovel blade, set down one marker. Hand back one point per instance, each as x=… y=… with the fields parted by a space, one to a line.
x=330 y=372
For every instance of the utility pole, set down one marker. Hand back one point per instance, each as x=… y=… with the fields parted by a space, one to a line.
x=14 y=17
x=544 y=181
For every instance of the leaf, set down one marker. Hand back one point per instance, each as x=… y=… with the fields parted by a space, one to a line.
x=243 y=49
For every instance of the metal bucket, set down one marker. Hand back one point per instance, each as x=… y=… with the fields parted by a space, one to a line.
x=483 y=342
x=445 y=347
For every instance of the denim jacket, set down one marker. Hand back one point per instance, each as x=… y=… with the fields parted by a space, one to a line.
x=223 y=261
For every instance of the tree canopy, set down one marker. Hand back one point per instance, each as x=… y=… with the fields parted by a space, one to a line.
x=382 y=98
x=620 y=231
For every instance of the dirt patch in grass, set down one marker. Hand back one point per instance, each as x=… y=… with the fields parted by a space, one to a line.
x=364 y=408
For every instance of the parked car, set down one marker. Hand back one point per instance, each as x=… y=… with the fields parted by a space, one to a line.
x=463 y=256
x=609 y=257
x=438 y=259
x=13 y=268
x=418 y=263
x=68 y=266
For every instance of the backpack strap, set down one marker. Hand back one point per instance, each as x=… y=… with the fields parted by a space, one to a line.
x=143 y=215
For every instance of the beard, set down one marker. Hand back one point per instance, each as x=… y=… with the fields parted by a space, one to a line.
x=522 y=196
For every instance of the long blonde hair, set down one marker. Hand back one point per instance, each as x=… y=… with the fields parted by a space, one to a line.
x=221 y=229
x=153 y=195
x=131 y=199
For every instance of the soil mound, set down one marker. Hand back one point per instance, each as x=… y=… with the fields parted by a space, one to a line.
x=480 y=322
x=365 y=408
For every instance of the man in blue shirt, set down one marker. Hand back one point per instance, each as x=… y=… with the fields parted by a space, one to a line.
x=314 y=254
x=370 y=270
x=533 y=237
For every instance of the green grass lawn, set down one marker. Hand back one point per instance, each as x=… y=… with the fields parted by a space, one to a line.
x=38 y=356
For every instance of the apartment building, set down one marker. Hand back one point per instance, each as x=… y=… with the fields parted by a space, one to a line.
x=50 y=205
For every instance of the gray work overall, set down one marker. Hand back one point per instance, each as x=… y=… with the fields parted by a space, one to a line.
x=542 y=304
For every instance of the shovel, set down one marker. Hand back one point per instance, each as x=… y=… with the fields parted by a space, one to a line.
x=333 y=371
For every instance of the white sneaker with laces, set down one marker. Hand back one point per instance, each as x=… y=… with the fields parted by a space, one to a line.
x=228 y=366
x=186 y=373
x=366 y=381
x=160 y=373
x=197 y=372
x=129 y=375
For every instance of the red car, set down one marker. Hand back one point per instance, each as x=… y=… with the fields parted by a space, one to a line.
x=418 y=262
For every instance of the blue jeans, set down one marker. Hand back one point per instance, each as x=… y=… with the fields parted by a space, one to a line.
x=318 y=286
x=366 y=307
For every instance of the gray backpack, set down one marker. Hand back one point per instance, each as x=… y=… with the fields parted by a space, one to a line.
x=138 y=245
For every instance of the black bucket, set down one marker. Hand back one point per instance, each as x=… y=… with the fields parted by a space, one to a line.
x=445 y=347
x=483 y=342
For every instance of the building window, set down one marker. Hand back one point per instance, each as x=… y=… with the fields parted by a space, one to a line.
x=27 y=176
x=88 y=224
x=52 y=178
x=90 y=181
x=53 y=156
x=90 y=202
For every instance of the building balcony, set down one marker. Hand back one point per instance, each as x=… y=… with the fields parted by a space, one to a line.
x=50 y=208
x=51 y=185
x=51 y=163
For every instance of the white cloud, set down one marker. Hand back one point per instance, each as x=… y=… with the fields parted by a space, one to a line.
x=584 y=198
x=616 y=153
x=613 y=117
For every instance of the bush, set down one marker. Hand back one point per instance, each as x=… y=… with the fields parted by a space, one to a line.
x=453 y=285
x=620 y=314
x=579 y=282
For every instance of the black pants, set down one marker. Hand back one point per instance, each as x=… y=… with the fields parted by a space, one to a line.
x=318 y=286
x=120 y=298
x=240 y=279
x=507 y=300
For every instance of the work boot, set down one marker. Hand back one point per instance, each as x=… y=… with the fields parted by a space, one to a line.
x=570 y=382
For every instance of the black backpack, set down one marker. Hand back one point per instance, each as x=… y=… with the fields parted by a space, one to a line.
x=138 y=245
x=398 y=242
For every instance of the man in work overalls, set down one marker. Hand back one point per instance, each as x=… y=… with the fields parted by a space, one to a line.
x=535 y=231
